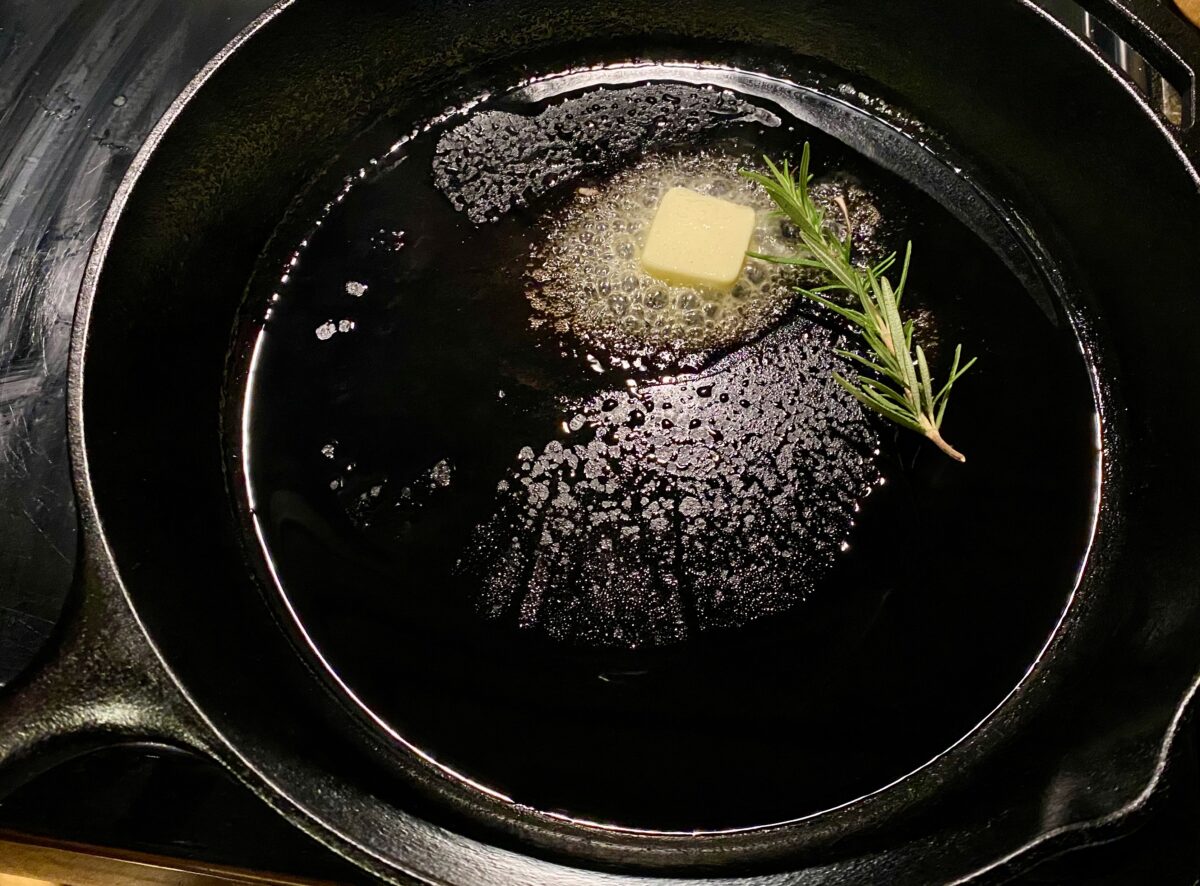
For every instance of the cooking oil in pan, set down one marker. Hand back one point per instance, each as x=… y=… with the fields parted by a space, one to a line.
x=586 y=278
x=624 y=551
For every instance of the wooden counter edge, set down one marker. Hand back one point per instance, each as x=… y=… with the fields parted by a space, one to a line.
x=80 y=865
x=1190 y=10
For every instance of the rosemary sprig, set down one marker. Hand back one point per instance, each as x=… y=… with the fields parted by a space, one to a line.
x=902 y=389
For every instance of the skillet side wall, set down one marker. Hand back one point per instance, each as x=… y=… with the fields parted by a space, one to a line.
x=1056 y=132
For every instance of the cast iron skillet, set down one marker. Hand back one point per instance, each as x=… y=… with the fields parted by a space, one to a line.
x=170 y=638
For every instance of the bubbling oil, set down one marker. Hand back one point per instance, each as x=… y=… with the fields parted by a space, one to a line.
x=586 y=278
x=500 y=159
x=679 y=503
x=699 y=502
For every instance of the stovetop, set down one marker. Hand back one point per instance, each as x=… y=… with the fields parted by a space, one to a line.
x=81 y=84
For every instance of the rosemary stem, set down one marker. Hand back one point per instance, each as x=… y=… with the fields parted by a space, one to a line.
x=935 y=437
x=903 y=389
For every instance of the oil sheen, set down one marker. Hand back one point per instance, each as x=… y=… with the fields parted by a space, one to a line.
x=623 y=551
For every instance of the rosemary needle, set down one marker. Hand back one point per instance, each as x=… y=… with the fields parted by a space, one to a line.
x=900 y=387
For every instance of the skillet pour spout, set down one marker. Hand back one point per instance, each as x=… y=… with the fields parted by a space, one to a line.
x=175 y=634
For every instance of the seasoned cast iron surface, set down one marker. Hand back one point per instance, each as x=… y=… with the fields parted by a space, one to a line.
x=81 y=84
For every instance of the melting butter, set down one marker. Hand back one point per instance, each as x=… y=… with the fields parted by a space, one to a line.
x=588 y=278
x=697 y=240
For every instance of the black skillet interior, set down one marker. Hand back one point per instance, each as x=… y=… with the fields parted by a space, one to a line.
x=376 y=451
x=277 y=114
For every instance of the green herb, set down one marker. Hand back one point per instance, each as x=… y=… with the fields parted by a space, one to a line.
x=902 y=390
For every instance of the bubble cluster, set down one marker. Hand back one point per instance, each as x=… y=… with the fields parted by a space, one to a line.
x=586 y=278
x=366 y=495
x=704 y=501
x=499 y=159
x=329 y=328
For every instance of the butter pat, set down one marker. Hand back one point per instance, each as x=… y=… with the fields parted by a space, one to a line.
x=697 y=240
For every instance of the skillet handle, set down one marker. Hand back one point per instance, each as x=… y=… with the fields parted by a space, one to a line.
x=1167 y=34
x=99 y=682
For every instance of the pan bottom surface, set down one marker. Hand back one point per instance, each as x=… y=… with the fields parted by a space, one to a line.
x=661 y=574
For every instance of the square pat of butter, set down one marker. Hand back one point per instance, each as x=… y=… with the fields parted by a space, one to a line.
x=697 y=240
